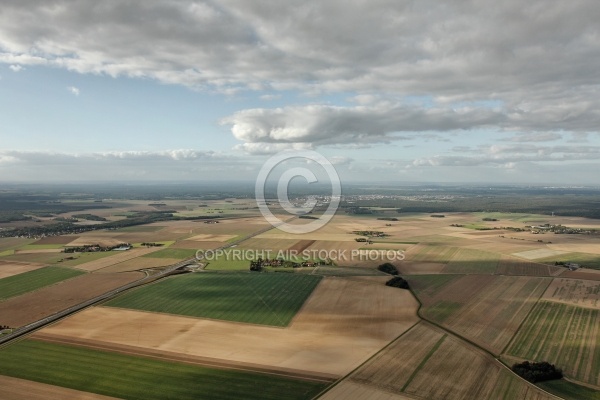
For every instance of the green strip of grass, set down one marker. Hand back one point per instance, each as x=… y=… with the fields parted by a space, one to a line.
x=182 y=254
x=259 y=298
x=134 y=377
x=32 y=280
x=570 y=391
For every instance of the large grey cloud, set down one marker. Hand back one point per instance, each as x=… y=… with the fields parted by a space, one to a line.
x=522 y=66
x=451 y=49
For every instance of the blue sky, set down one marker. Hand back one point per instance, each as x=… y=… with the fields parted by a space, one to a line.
x=388 y=90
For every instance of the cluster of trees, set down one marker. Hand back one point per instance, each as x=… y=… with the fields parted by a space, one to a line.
x=537 y=372
x=388 y=268
x=397 y=282
x=151 y=244
x=388 y=219
x=89 y=217
x=92 y=248
x=3 y=327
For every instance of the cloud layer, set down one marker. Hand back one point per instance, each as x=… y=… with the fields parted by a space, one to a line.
x=413 y=67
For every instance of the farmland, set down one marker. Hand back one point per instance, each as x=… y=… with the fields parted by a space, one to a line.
x=319 y=322
x=269 y=299
x=576 y=292
x=113 y=374
x=33 y=280
x=15 y=268
x=34 y=305
x=485 y=309
x=431 y=364
x=324 y=339
x=564 y=335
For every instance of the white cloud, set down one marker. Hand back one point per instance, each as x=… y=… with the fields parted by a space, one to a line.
x=15 y=67
x=73 y=90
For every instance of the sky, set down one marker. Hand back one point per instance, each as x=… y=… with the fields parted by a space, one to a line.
x=398 y=91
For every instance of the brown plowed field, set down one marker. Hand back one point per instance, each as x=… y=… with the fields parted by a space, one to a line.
x=428 y=363
x=15 y=388
x=117 y=258
x=485 y=309
x=515 y=266
x=56 y=240
x=10 y=268
x=343 y=323
x=589 y=274
x=30 y=307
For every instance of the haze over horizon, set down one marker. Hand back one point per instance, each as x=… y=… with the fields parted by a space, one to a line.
x=398 y=91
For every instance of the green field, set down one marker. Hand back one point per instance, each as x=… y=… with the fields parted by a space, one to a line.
x=133 y=377
x=182 y=254
x=55 y=258
x=434 y=253
x=429 y=284
x=584 y=259
x=570 y=391
x=564 y=335
x=467 y=261
x=32 y=280
x=259 y=298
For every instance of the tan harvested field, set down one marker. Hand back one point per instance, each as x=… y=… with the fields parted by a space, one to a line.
x=138 y=264
x=348 y=390
x=317 y=235
x=190 y=244
x=56 y=239
x=10 y=268
x=538 y=253
x=591 y=248
x=343 y=323
x=206 y=237
x=576 y=292
x=15 y=389
x=118 y=257
x=32 y=306
x=274 y=245
x=428 y=363
x=98 y=238
x=484 y=308
x=514 y=266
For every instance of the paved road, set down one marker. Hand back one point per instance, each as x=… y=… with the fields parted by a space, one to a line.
x=110 y=294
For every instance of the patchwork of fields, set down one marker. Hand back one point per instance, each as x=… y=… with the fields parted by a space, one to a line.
x=565 y=335
x=33 y=280
x=428 y=363
x=225 y=332
x=486 y=309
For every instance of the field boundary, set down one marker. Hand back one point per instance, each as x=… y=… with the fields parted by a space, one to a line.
x=186 y=359
x=477 y=347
